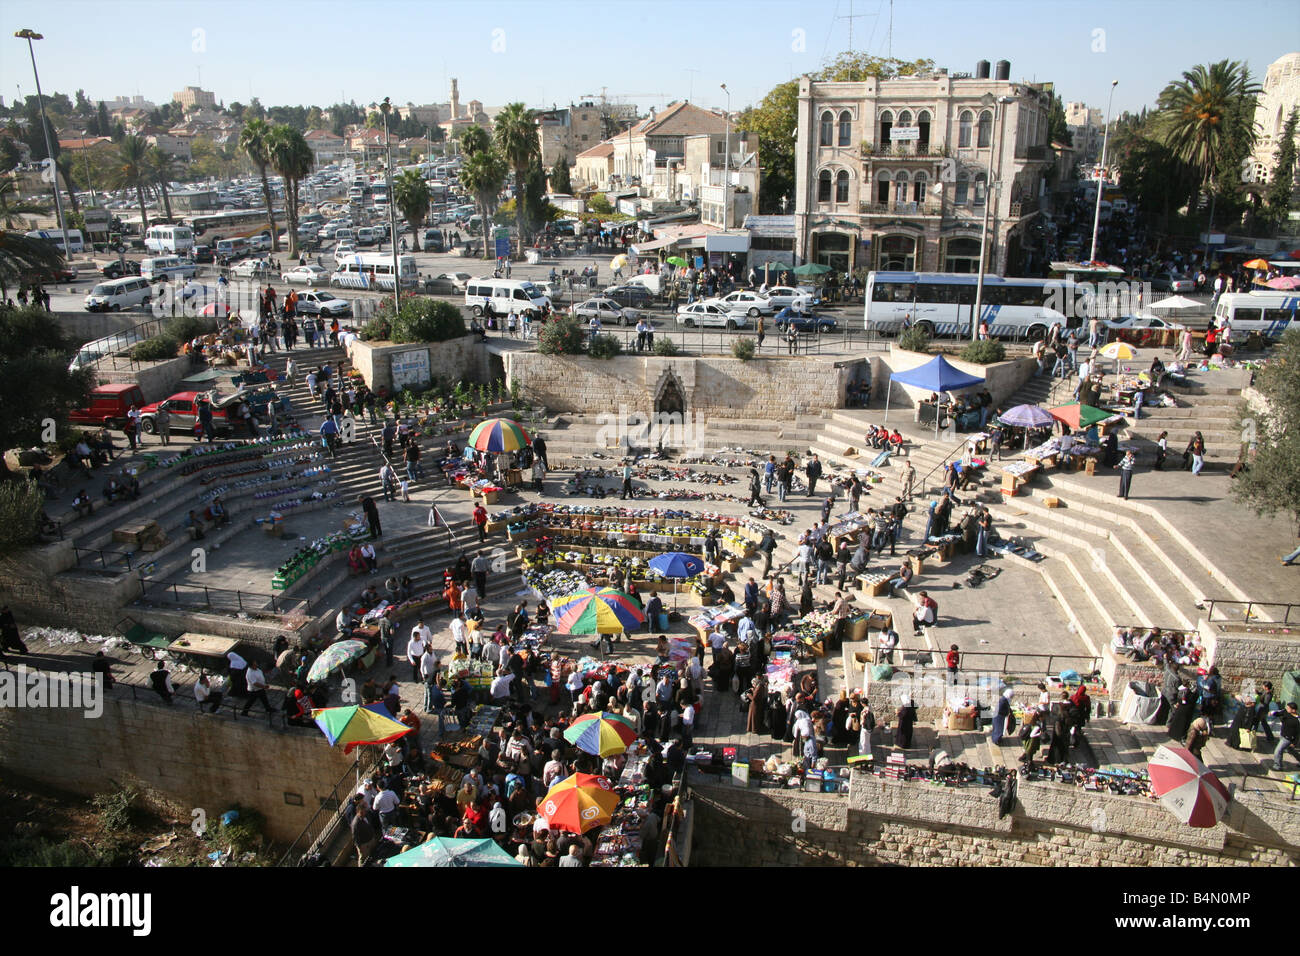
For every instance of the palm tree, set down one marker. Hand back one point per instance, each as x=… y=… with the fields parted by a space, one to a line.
x=255 y=142
x=474 y=139
x=411 y=194
x=162 y=166
x=293 y=160
x=483 y=174
x=22 y=257
x=130 y=170
x=1201 y=114
x=12 y=208
x=516 y=138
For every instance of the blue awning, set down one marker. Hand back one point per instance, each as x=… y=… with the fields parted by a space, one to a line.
x=937 y=375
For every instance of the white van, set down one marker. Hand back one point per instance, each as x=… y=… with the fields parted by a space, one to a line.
x=171 y=267
x=232 y=248
x=345 y=235
x=505 y=295
x=172 y=239
x=373 y=270
x=369 y=236
x=1268 y=313
x=119 y=294
x=91 y=352
x=55 y=236
x=649 y=282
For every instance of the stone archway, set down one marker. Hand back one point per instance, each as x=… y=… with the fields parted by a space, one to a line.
x=669 y=410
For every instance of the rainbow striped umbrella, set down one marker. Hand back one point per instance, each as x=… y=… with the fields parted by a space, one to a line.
x=601 y=735
x=353 y=725
x=606 y=611
x=498 y=434
x=579 y=802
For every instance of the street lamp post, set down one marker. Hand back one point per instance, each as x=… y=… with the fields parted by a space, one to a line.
x=989 y=193
x=1101 y=178
x=386 y=107
x=29 y=36
x=726 y=164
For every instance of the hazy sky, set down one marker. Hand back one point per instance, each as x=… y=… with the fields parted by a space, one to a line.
x=652 y=52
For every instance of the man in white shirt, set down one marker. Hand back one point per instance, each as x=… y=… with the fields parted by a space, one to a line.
x=500 y=690
x=429 y=664
x=718 y=640
x=386 y=804
x=688 y=721
x=574 y=686
x=695 y=673
x=420 y=638
x=343 y=622
x=368 y=556
x=459 y=634
x=208 y=693
x=470 y=598
x=238 y=674
x=887 y=642
x=256 y=689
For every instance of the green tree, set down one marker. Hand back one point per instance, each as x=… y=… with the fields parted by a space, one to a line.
x=516 y=139
x=473 y=139
x=9 y=154
x=560 y=182
x=20 y=258
x=1058 y=131
x=255 y=142
x=35 y=383
x=162 y=167
x=1271 y=485
x=1201 y=116
x=130 y=170
x=293 y=160
x=1281 y=184
x=412 y=196
x=775 y=121
x=484 y=173
x=537 y=210
x=13 y=208
x=104 y=124
x=315 y=118
x=599 y=204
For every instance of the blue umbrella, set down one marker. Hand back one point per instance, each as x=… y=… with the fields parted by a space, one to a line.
x=446 y=851
x=676 y=564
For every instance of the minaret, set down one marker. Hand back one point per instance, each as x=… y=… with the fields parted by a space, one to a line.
x=455 y=99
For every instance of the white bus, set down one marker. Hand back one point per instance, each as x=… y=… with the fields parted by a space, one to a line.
x=941 y=303
x=374 y=270
x=172 y=239
x=55 y=236
x=1268 y=313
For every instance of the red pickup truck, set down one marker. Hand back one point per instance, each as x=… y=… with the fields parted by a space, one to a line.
x=108 y=406
x=183 y=412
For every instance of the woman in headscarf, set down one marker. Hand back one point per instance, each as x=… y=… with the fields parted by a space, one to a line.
x=905 y=720
x=1184 y=712
x=806 y=597
x=756 y=720
x=1000 y=714
x=776 y=714
x=840 y=721
x=866 y=724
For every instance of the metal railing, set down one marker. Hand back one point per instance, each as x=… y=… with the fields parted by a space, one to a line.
x=957 y=450
x=201 y=596
x=1040 y=663
x=326 y=824
x=1245 y=611
x=102 y=554
x=927 y=207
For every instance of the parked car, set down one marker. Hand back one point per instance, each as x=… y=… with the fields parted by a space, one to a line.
x=308 y=275
x=344 y=250
x=1144 y=322
x=630 y=296
x=1172 y=282
x=122 y=267
x=108 y=405
x=784 y=296
x=607 y=310
x=458 y=279
x=204 y=254
x=751 y=303
x=804 y=321
x=323 y=303
x=710 y=314
x=252 y=268
x=432 y=240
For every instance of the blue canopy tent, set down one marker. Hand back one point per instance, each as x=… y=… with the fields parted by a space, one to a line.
x=937 y=375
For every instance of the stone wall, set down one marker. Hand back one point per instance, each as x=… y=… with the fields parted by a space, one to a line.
x=32 y=583
x=184 y=760
x=158 y=380
x=1002 y=379
x=713 y=387
x=1246 y=656
x=462 y=359
x=889 y=823
x=83 y=327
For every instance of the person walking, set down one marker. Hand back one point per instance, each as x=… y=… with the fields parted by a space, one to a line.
x=909 y=479
x=256 y=688
x=372 y=516
x=1289 y=735
x=480 y=521
x=813 y=471
x=1125 y=474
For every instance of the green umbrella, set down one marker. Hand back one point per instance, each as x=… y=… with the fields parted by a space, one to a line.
x=811 y=269
x=448 y=851
x=676 y=261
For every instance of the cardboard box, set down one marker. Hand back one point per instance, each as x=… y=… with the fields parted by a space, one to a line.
x=1090 y=466
x=1051 y=501
x=960 y=720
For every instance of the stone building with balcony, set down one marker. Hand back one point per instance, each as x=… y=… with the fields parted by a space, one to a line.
x=896 y=173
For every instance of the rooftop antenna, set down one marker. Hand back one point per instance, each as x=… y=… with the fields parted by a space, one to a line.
x=851 y=17
x=691 y=87
x=891 y=30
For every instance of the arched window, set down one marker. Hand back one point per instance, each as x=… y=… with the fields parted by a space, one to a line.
x=905 y=118
x=898 y=253
x=980 y=189
x=886 y=124
x=824 y=186
x=986 y=129
x=962 y=255
x=961 y=194
x=883 y=179
x=841 y=187
x=919 y=183
x=923 y=124
x=846 y=128
x=900 y=187
x=963 y=129
x=827 y=130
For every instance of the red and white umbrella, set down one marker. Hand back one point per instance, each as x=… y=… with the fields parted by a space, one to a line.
x=1187 y=787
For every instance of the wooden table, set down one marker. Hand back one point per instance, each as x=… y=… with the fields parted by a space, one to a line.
x=208 y=647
